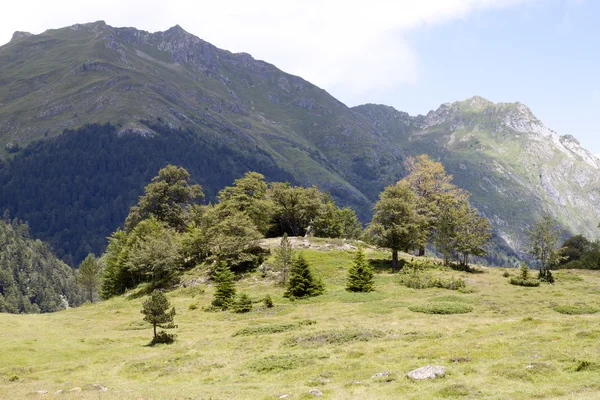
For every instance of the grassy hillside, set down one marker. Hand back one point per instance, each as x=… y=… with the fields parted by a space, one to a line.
x=514 y=345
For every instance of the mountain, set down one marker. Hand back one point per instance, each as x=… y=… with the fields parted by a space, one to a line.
x=514 y=166
x=89 y=113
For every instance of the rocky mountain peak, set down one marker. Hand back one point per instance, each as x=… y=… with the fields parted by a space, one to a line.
x=20 y=34
x=95 y=27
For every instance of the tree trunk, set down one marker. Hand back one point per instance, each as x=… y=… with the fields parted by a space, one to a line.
x=154 y=330
x=421 y=251
x=394 y=260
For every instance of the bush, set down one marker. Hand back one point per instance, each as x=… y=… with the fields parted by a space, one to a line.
x=524 y=279
x=577 y=309
x=506 y=274
x=268 y=301
x=426 y=280
x=442 y=308
x=242 y=304
x=163 y=337
x=518 y=281
x=545 y=275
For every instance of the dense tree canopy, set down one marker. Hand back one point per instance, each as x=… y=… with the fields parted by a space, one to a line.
x=32 y=279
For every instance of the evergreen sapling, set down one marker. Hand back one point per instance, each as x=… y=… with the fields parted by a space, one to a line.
x=360 y=275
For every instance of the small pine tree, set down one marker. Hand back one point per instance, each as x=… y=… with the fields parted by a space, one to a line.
x=302 y=283
x=155 y=312
x=524 y=272
x=89 y=276
x=225 y=292
x=360 y=275
x=243 y=304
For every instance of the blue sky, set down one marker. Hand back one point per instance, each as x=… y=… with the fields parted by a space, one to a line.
x=545 y=55
x=413 y=55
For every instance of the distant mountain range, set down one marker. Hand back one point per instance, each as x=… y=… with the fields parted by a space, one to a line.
x=171 y=97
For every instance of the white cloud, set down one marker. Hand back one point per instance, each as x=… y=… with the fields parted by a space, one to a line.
x=333 y=43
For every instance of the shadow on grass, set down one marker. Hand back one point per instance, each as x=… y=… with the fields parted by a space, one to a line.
x=385 y=266
x=141 y=291
x=465 y=268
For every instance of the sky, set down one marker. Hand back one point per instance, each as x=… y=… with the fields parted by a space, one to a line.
x=412 y=55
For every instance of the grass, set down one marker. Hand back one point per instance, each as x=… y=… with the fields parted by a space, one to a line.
x=513 y=345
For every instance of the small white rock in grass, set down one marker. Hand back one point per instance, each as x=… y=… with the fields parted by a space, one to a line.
x=428 y=372
x=315 y=392
x=380 y=374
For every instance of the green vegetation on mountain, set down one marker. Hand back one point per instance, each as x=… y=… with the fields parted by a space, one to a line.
x=32 y=279
x=172 y=98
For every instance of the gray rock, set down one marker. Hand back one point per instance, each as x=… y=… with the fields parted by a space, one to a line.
x=428 y=372
x=284 y=396
x=380 y=374
x=315 y=392
x=42 y=392
x=96 y=386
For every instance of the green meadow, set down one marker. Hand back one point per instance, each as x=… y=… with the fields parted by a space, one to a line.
x=515 y=343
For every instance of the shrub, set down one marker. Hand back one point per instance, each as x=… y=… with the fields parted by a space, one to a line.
x=545 y=275
x=518 y=281
x=268 y=301
x=243 y=304
x=524 y=279
x=442 y=308
x=425 y=280
x=506 y=274
x=162 y=337
x=577 y=309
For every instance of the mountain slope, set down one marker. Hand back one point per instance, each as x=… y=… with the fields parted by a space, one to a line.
x=170 y=97
x=515 y=167
x=162 y=90
x=96 y=73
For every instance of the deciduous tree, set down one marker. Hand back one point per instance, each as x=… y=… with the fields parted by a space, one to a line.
x=396 y=225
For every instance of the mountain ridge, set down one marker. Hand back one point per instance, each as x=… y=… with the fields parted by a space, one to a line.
x=146 y=84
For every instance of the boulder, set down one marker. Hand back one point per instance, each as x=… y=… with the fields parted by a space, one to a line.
x=428 y=372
